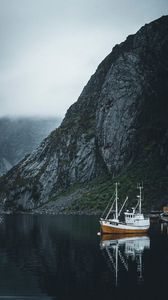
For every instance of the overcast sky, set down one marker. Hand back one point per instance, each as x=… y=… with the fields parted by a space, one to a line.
x=50 y=48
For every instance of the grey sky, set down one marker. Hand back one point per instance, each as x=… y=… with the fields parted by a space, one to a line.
x=50 y=48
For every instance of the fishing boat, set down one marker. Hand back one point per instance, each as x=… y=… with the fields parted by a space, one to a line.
x=134 y=221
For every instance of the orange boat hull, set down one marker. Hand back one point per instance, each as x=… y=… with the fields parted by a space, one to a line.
x=107 y=229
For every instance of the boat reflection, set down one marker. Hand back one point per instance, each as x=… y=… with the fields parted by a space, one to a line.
x=119 y=249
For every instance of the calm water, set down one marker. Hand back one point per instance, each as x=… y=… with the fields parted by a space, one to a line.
x=61 y=257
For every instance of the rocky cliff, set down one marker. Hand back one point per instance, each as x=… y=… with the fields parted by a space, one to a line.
x=117 y=128
x=21 y=135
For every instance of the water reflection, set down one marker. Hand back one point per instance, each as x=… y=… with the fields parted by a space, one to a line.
x=20 y=261
x=164 y=228
x=48 y=257
x=119 y=249
x=59 y=257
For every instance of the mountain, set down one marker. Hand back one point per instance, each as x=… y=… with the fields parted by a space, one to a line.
x=20 y=136
x=117 y=130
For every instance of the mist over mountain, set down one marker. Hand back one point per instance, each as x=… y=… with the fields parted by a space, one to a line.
x=117 y=130
x=19 y=136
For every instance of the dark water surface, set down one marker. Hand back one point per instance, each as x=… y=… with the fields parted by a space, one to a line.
x=61 y=257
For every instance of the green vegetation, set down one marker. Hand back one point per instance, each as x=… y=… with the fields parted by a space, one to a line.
x=97 y=193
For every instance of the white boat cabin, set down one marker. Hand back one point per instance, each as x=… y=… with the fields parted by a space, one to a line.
x=134 y=218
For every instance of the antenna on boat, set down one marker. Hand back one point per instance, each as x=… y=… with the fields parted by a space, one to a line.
x=140 y=187
x=116 y=201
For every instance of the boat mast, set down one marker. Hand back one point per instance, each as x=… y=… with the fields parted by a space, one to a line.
x=116 y=202
x=140 y=198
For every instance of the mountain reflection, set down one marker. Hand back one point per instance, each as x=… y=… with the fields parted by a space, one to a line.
x=47 y=256
x=119 y=249
x=59 y=257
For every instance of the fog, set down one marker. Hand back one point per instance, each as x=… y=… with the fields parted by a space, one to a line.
x=50 y=48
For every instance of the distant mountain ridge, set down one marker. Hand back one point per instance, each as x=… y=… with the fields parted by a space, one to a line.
x=118 y=128
x=21 y=135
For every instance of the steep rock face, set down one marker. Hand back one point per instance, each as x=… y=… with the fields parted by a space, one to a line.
x=135 y=86
x=118 y=107
x=120 y=118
